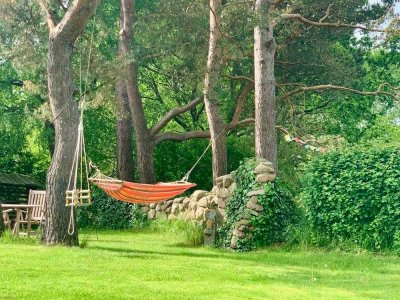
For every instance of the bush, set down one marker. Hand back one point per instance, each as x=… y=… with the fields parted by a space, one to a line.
x=107 y=213
x=354 y=196
x=270 y=226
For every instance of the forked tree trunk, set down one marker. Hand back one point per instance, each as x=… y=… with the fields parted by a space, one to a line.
x=66 y=114
x=215 y=121
x=264 y=84
x=144 y=141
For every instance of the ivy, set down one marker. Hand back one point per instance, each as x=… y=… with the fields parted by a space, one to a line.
x=270 y=225
x=352 y=196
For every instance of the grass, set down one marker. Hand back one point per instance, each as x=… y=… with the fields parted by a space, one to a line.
x=158 y=264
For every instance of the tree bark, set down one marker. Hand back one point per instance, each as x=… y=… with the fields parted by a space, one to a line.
x=144 y=141
x=66 y=113
x=215 y=121
x=264 y=84
x=124 y=133
x=125 y=168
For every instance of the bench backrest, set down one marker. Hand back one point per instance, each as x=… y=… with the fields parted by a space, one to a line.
x=37 y=198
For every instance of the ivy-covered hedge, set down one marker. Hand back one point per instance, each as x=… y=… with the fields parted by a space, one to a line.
x=107 y=213
x=354 y=196
x=270 y=225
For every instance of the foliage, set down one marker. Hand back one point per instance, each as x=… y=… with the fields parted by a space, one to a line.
x=107 y=213
x=271 y=224
x=352 y=196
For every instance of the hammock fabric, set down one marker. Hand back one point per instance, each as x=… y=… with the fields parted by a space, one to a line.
x=141 y=193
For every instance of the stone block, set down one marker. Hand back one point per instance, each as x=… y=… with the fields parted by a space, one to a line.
x=221 y=203
x=197 y=195
x=192 y=205
x=152 y=205
x=203 y=202
x=263 y=169
x=145 y=209
x=181 y=207
x=179 y=200
x=214 y=190
x=265 y=162
x=169 y=203
x=161 y=215
x=200 y=213
x=233 y=244
x=163 y=206
x=151 y=214
x=223 y=193
x=175 y=208
x=256 y=193
x=186 y=202
x=232 y=188
x=158 y=207
x=263 y=178
x=243 y=222
x=255 y=207
x=253 y=199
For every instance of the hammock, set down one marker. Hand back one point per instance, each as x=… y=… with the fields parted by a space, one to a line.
x=141 y=193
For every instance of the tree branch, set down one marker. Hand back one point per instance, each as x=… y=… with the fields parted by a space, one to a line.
x=75 y=19
x=240 y=102
x=239 y=77
x=173 y=136
x=172 y=113
x=328 y=12
x=301 y=19
x=51 y=20
x=340 y=88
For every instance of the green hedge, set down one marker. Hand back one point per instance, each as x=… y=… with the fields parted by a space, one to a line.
x=107 y=213
x=354 y=196
x=270 y=226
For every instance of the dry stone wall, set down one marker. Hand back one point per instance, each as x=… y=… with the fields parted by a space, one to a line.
x=194 y=206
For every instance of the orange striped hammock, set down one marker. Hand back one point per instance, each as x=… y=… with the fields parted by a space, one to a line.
x=141 y=193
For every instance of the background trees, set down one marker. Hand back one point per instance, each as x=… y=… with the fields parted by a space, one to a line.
x=317 y=70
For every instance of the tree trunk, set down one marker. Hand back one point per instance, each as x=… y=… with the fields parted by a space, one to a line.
x=66 y=114
x=124 y=123
x=63 y=104
x=124 y=133
x=264 y=84
x=215 y=121
x=144 y=141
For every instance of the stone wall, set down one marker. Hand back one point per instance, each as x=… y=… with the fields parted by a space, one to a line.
x=194 y=206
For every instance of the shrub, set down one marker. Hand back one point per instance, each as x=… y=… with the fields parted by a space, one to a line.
x=354 y=196
x=107 y=213
x=271 y=224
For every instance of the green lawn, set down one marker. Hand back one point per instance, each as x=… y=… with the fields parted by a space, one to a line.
x=128 y=265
